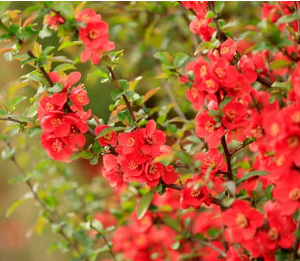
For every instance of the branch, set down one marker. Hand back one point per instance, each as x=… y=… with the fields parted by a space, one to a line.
x=221 y=36
x=13 y=120
x=114 y=79
x=264 y=81
x=210 y=245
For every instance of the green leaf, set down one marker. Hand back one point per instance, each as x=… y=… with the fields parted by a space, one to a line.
x=57 y=87
x=17 y=203
x=204 y=45
x=17 y=100
x=108 y=130
x=279 y=64
x=144 y=204
x=230 y=186
x=98 y=73
x=68 y=44
x=164 y=57
x=97 y=225
x=64 y=67
x=219 y=5
x=288 y=18
x=124 y=84
x=180 y=59
x=86 y=155
x=252 y=174
x=268 y=191
x=14 y=29
x=225 y=102
x=227 y=202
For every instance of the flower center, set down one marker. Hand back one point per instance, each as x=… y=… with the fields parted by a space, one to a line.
x=296 y=117
x=132 y=165
x=219 y=72
x=275 y=129
x=57 y=145
x=194 y=93
x=107 y=136
x=80 y=97
x=93 y=34
x=203 y=71
x=241 y=220
x=293 y=141
x=231 y=114
x=49 y=106
x=224 y=50
x=195 y=193
x=209 y=126
x=295 y=194
x=210 y=84
x=169 y=168
x=258 y=132
x=130 y=142
x=273 y=234
x=150 y=140
x=152 y=169
x=56 y=122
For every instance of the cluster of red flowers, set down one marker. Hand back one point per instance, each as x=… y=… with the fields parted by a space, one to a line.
x=200 y=25
x=94 y=36
x=64 y=125
x=134 y=156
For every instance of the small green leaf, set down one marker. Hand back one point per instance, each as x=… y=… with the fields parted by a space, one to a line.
x=108 y=130
x=288 y=18
x=252 y=174
x=17 y=100
x=268 y=191
x=144 y=204
x=204 y=45
x=64 y=67
x=68 y=44
x=86 y=155
x=227 y=202
x=180 y=59
x=57 y=87
x=279 y=64
x=17 y=203
x=225 y=102
x=164 y=57
x=124 y=84
x=219 y=5
x=230 y=187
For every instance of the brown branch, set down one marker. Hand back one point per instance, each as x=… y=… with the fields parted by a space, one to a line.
x=114 y=79
x=13 y=120
x=264 y=81
x=255 y=103
x=228 y=157
x=221 y=36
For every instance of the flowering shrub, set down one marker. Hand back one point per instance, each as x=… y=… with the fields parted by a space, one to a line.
x=219 y=181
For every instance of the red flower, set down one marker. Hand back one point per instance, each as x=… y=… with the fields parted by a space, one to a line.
x=112 y=170
x=128 y=142
x=150 y=139
x=153 y=172
x=109 y=138
x=56 y=148
x=287 y=192
x=228 y=49
x=194 y=194
x=56 y=123
x=95 y=55
x=86 y=15
x=241 y=221
x=207 y=128
x=211 y=161
x=67 y=81
x=94 y=34
x=234 y=115
x=169 y=176
x=79 y=96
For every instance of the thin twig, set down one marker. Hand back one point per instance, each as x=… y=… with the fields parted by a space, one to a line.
x=264 y=81
x=173 y=100
x=114 y=79
x=210 y=245
x=13 y=120
x=255 y=103
x=221 y=36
